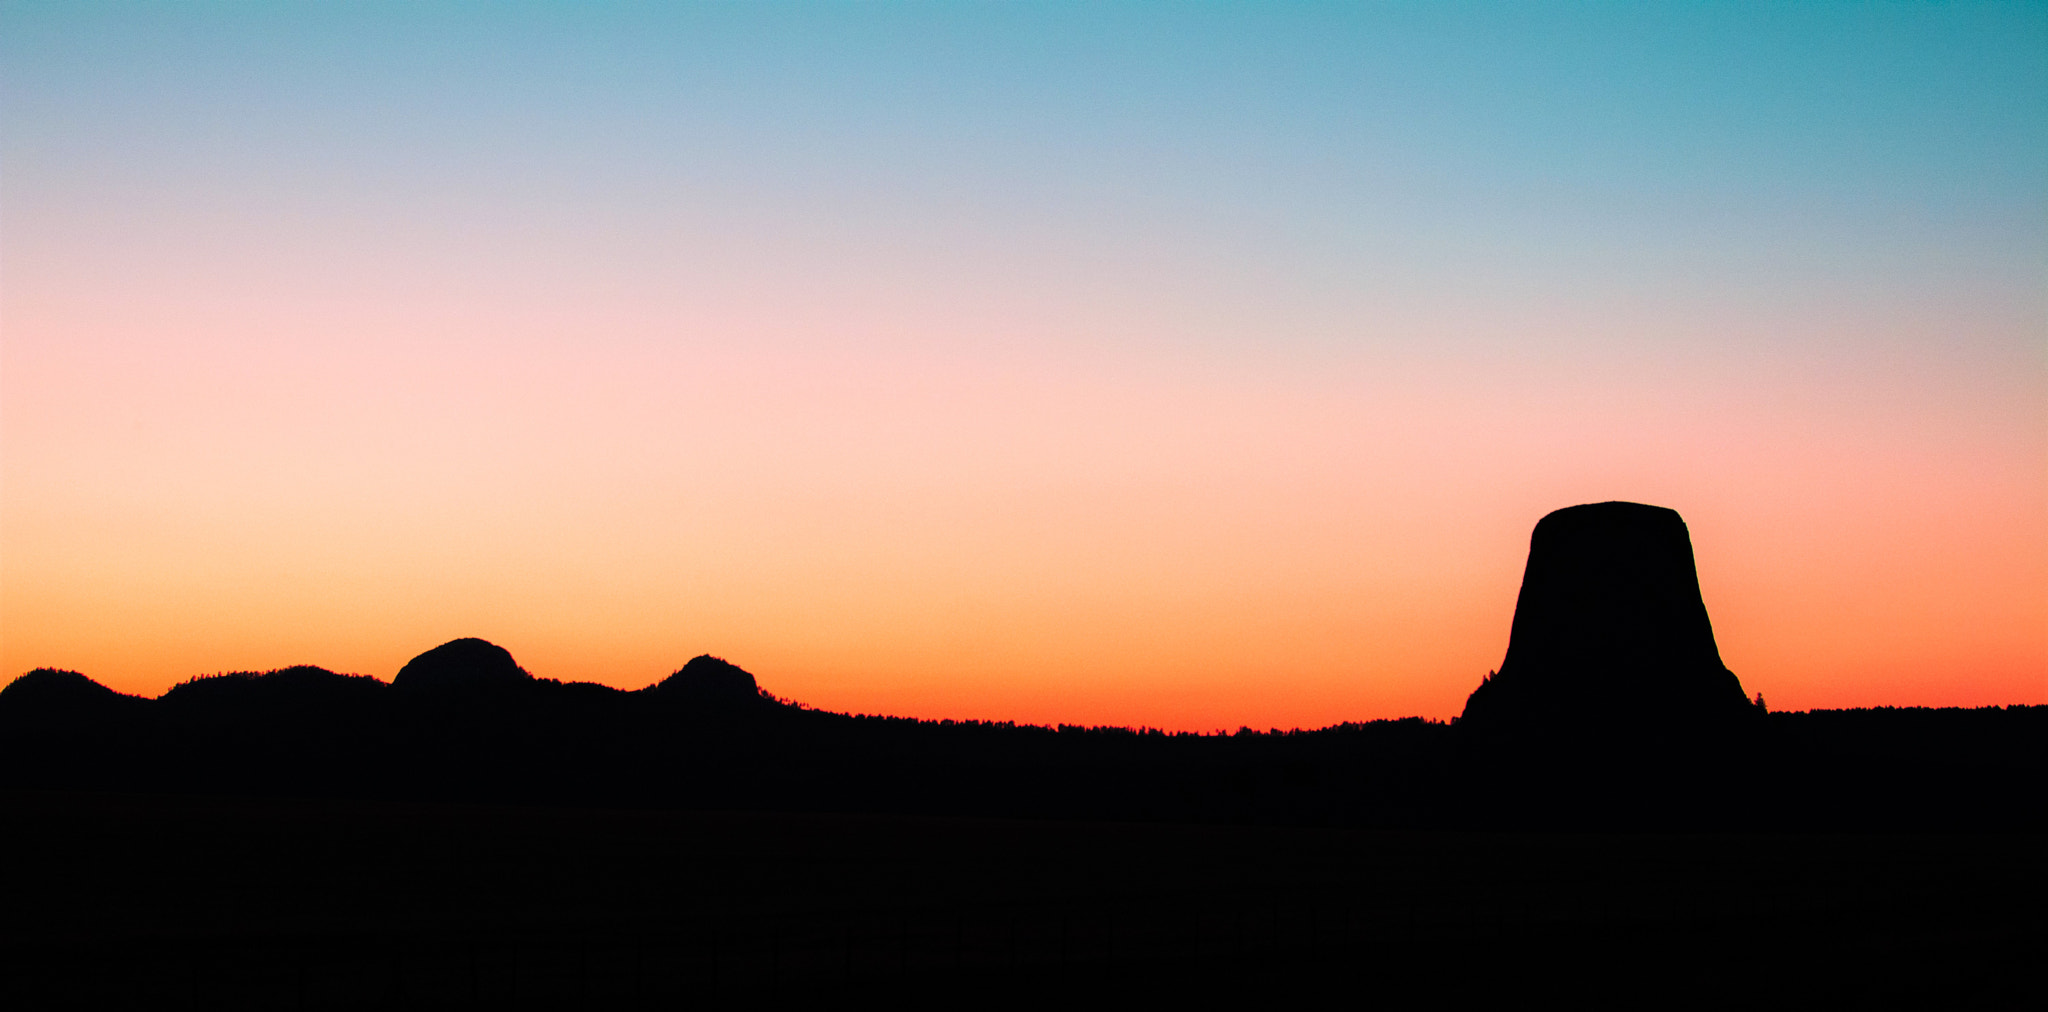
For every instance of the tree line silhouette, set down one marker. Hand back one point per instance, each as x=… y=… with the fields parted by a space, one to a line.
x=465 y=723
x=705 y=841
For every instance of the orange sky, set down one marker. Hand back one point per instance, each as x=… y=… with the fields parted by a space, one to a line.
x=1141 y=539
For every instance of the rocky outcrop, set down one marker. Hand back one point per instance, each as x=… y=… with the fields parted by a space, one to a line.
x=466 y=665
x=711 y=681
x=1610 y=631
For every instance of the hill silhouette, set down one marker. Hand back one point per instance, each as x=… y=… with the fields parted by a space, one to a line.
x=709 y=737
x=462 y=665
x=298 y=686
x=1612 y=708
x=51 y=694
x=708 y=681
x=468 y=834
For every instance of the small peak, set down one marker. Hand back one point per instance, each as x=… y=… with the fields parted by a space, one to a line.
x=711 y=679
x=467 y=664
x=53 y=689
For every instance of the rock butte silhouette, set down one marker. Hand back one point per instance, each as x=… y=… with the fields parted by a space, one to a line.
x=1611 y=709
x=464 y=665
x=1609 y=629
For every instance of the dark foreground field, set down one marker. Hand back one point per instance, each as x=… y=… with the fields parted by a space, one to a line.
x=167 y=902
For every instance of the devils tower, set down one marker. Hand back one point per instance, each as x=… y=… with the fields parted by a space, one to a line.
x=1610 y=631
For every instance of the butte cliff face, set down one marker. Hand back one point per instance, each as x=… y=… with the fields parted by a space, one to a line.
x=1610 y=630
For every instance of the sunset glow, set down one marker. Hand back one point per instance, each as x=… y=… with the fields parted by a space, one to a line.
x=1190 y=367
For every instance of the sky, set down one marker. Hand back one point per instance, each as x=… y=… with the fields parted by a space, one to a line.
x=1182 y=365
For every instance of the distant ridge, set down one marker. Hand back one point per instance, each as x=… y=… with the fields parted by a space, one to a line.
x=55 y=692
x=299 y=684
x=708 y=737
x=301 y=702
x=1612 y=709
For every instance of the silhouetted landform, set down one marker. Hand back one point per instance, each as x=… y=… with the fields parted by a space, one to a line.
x=469 y=835
x=303 y=686
x=1612 y=700
x=53 y=695
x=709 y=737
x=1610 y=631
x=709 y=681
x=1611 y=709
x=464 y=665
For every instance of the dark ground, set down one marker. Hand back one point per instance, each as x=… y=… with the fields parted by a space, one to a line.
x=168 y=901
x=303 y=839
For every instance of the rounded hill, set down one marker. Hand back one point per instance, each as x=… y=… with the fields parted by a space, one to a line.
x=464 y=665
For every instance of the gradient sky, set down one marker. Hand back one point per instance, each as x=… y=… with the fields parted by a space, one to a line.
x=1187 y=365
